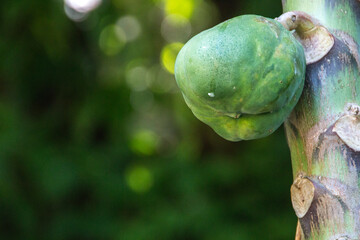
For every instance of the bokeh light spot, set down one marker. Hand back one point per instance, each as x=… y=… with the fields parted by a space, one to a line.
x=168 y=55
x=112 y=40
x=201 y=19
x=75 y=15
x=136 y=78
x=175 y=28
x=83 y=6
x=131 y=27
x=142 y=101
x=139 y=179
x=184 y=8
x=160 y=80
x=144 y=142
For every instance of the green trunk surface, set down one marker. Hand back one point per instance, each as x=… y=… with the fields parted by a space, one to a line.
x=324 y=149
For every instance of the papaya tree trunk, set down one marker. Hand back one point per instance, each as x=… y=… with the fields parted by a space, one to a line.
x=323 y=131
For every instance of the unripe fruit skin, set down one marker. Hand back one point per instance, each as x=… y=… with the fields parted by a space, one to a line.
x=242 y=77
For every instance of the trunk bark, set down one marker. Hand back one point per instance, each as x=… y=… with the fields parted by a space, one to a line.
x=323 y=131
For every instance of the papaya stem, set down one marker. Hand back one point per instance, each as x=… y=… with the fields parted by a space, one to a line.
x=298 y=21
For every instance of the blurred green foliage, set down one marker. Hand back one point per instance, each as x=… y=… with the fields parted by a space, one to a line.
x=96 y=141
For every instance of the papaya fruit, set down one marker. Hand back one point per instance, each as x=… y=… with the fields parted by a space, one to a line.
x=242 y=77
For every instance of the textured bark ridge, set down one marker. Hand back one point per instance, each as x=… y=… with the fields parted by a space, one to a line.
x=323 y=131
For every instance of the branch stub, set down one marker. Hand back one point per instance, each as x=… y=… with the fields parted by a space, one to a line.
x=316 y=40
x=302 y=195
x=348 y=127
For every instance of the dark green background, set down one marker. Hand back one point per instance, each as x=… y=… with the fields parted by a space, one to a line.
x=96 y=141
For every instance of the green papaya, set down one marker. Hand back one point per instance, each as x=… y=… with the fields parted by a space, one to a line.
x=242 y=77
